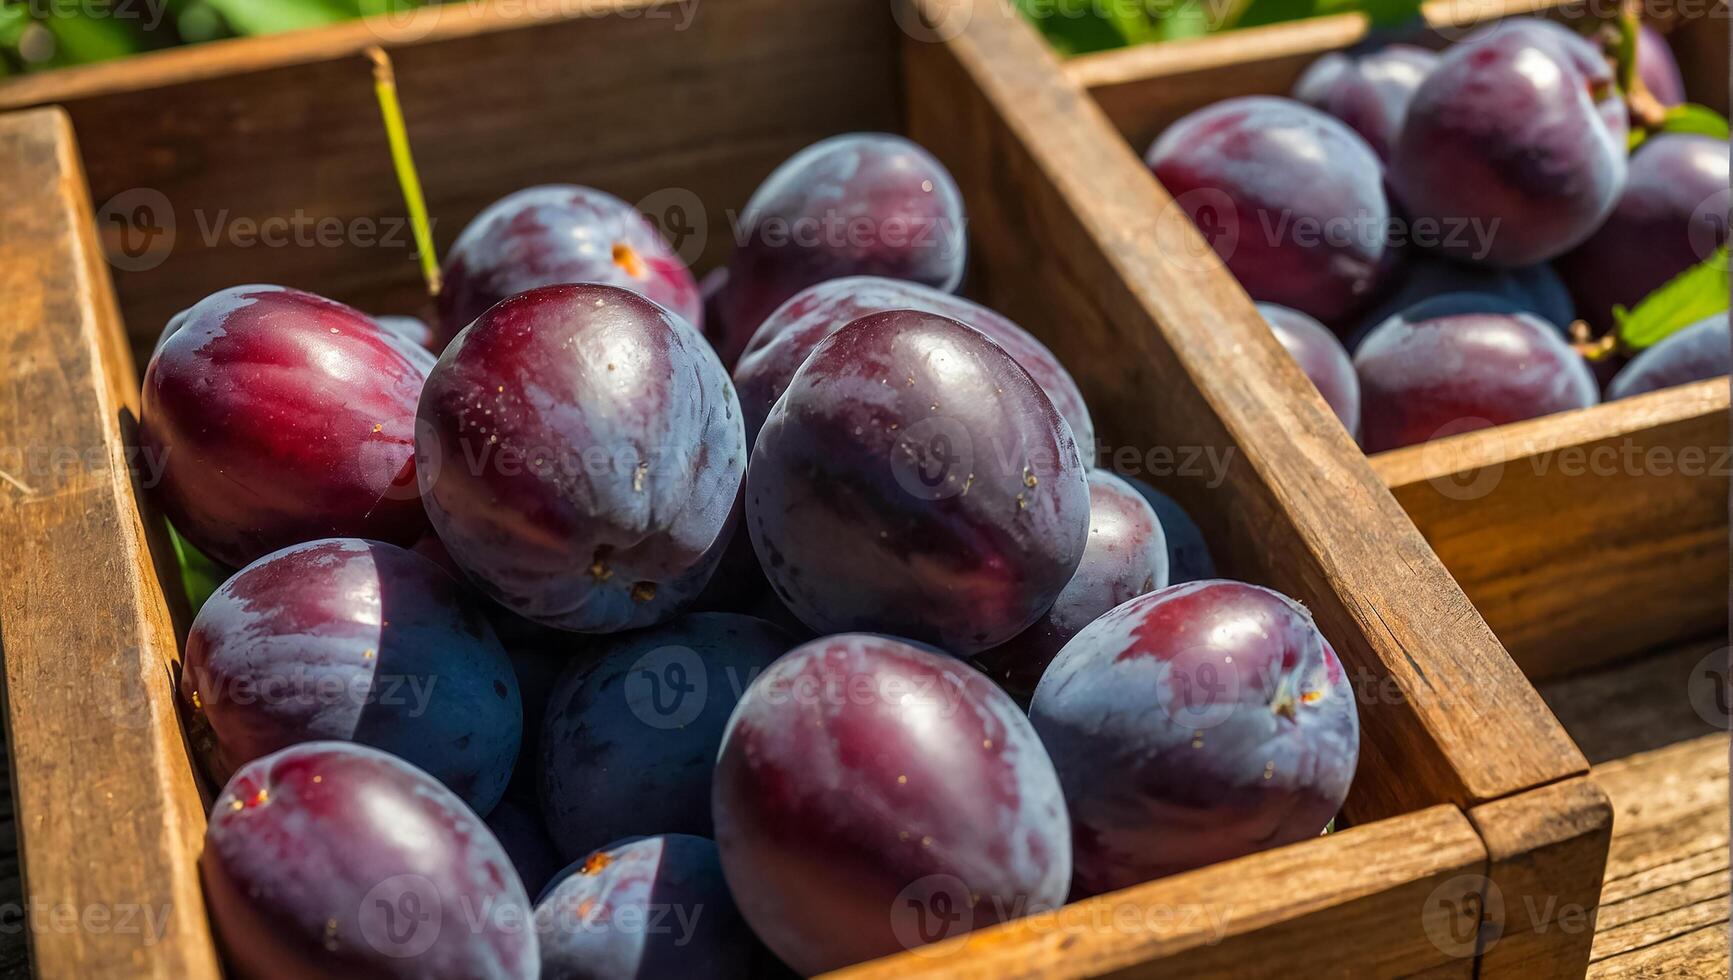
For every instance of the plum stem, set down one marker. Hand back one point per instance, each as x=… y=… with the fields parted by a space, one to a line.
x=1593 y=350
x=403 y=161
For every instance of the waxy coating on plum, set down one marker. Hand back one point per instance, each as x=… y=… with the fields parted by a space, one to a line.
x=785 y=340
x=1518 y=139
x=1699 y=352
x=1188 y=554
x=580 y=451
x=1322 y=357
x=871 y=796
x=1421 y=380
x=864 y=204
x=1290 y=198
x=1369 y=92
x=555 y=234
x=644 y=908
x=914 y=480
x=344 y=639
x=1126 y=557
x=333 y=859
x=1193 y=725
x=632 y=730
x=279 y=417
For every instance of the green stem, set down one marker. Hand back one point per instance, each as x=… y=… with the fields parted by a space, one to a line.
x=385 y=86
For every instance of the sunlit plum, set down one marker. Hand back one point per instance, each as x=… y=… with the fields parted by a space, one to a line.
x=1370 y=92
x=1322 y=357
x=1697 y=353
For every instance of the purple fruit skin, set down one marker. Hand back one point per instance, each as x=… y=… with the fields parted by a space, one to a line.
x=630 y=738
x=1322 y=357
x=644 y=908
x=519 y=829
x=580 y=451
x=1369 y=92
x=554 y=234
x=1664 y=223
x=785 y=340
x=1658 y=68
x=1699 y=352
x=1278 y=166
x=1194 y=725
x=1517 y=139
x=1126 y=557
x=351 y=640
x=913 y=480
x=1453 y=374
x=310 y=851
x=278 y=417
x=864 y=204
x=1535 y=289
x=859 y=771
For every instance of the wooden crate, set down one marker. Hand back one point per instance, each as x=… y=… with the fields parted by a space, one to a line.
x=1467 y=781
x=1648 y=563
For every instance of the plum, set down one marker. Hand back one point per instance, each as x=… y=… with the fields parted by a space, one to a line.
x=914 y=480
x=864 y=204
x=555 y=234
x=356 y=641
x=1513 y=149
x=631 y=735
x=416 y=335
x=1421 y=380
x=279 y=417
x=1657 y=67
x=1699 y=352
x=518 y=827
x=1534 y=289
x=333 y=859
x=1125 y=558
x=785 y=340
x=580 y=451
x=644 y=908
x=1322 y=357
x=871 y=796
x=1369 y=92
x=1192 y=725
x=1188 y=554
x=1290 y=198
x=1672 y=215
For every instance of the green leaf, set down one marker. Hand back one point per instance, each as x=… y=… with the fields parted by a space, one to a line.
x=1261 y=12
x=1695 y=294
x=1071 y=26
x=1693 y=118
x=199 y=575
x=276 y=16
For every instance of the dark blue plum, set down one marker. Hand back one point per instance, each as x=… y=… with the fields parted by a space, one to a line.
x=518 y=826
x=1537 y=290
x=1188 y=554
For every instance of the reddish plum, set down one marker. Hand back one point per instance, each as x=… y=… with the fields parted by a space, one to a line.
x=1697 y=353
x=1193 y=725
x=871 y=797
x=1369 y=92
x=1513 y=150
x=865 y=204
x=1322 y=357
x=580 y=451
x=279 y=417
x=560 y=233
x=331 y=859
x=914 y=480
x=1290 y=198
x=1425 y=379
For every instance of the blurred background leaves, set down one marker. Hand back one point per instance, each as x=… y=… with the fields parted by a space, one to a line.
x=1082 y=26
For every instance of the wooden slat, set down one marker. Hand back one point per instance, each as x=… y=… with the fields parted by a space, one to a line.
x=1585 y=536
x=1253 y=917
x=111 y=816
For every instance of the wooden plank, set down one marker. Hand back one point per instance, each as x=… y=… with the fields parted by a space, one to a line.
x=111 y=816
x=1412 y=878
x=1585 y=536
x=1075 y=241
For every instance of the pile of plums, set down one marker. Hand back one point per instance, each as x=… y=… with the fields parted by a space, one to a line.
x=605 y=630
x=1456 y=221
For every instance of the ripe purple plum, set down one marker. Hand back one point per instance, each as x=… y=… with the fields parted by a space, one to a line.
x=351 y=640
x=1514 y=147
x=785 y=340
x=278 y=417
x=1658 y=68
x=1672 y=215
x=1424 y=379
x=914 y=480
x=1369 y=92
x=631 y=734
x=1699 y=352
x=518 y=827
x=1322 y=357
x=1535 y=289
x=333 y=859
x=645 y=907
x=864 y=204
x=580 y=451
x=871 y=797
x=1193 y=725
x=1126 y=557
x=1290 y=198
x=555 y=234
